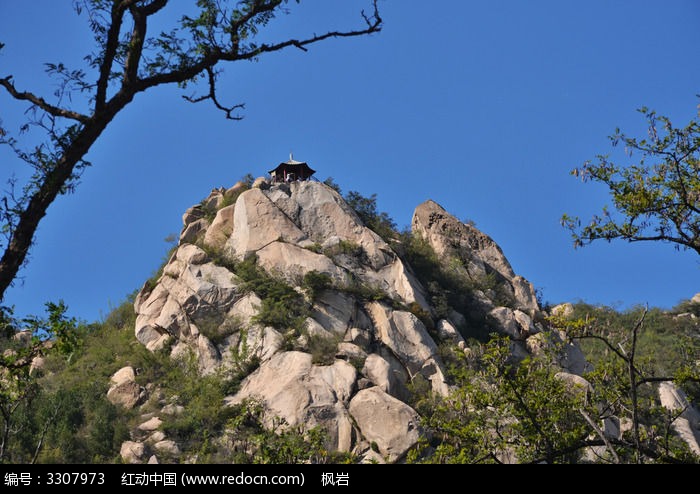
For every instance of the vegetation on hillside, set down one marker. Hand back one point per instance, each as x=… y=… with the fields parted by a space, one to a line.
x=501 y=408
x=504 y=409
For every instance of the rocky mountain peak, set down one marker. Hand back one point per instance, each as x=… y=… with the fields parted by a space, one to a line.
x=338 y=324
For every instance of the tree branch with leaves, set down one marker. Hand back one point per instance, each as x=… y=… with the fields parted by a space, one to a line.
x=622 y=380
x=657 y=198
x=127 y=60
x=18 y=353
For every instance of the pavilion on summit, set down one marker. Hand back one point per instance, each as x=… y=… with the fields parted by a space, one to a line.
x=291 y=171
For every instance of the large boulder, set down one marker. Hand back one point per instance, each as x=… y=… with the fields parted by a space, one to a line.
x=337 y=312
x=408 y=339
x=398 y=282
x=506 y=320
x=385 y=422
x=257 y=222
x=125 y=391
x=150 y=425
x=123 y=375
x=220 y=229
x=233 y=192
x=132 y=452
x=193 y=231
x=565 y=310
x=293 y=262
x=302 y=393
x=167 y=447
x=214 y=200
x=447 y=331
x=387 y=373
x=687 y=423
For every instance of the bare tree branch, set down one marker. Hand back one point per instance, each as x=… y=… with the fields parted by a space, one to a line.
x=632 y=371
x=145 y=63
x=601 y=435
x=228 y=110
x=216 y=55
x=41 y=103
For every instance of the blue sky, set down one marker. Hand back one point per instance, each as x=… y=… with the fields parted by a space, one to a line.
x=483 y=107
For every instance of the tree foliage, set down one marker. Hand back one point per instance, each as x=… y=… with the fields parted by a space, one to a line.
x=55 y=333
x=657 y=198
x=504 y=410
x=366 y=208
x=508 y=409
x=282 y=306
x=64 y=416
x=129 y=58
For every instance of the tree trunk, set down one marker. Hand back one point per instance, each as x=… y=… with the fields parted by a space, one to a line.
x=51 y=186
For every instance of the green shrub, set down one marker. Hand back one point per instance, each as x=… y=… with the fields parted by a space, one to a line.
x=323 y=349
x=244 y=360
x=331 y=183
x=688 y=307
x=217 y=257
x=315 y=247
x=366 y=209
x=208 y=210
x=664 y=341
x=346 y=248
x=282 y=314
x=69 y=419
x=450 y=287
x=367 y=293
x=202 y=397
x=282 y=306
x=217 y=327
x=315 y=283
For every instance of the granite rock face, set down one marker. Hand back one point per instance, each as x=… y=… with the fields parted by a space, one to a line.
x=367 y=333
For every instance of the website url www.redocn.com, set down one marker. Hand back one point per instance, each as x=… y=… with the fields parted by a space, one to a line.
x=242 y=479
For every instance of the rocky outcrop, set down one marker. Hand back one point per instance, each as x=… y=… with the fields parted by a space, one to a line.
x=474 y=254
x=687 y=423
x=293 y=262
x=389 y=425
x=405 y=335
x=133 y=452
x=192 y=296
x=257 y=222
x=125 y=391
x=296 y=390
x=379 y=337
x=216 y=235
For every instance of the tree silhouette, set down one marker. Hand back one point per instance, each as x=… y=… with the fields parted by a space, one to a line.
x=127 y=60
